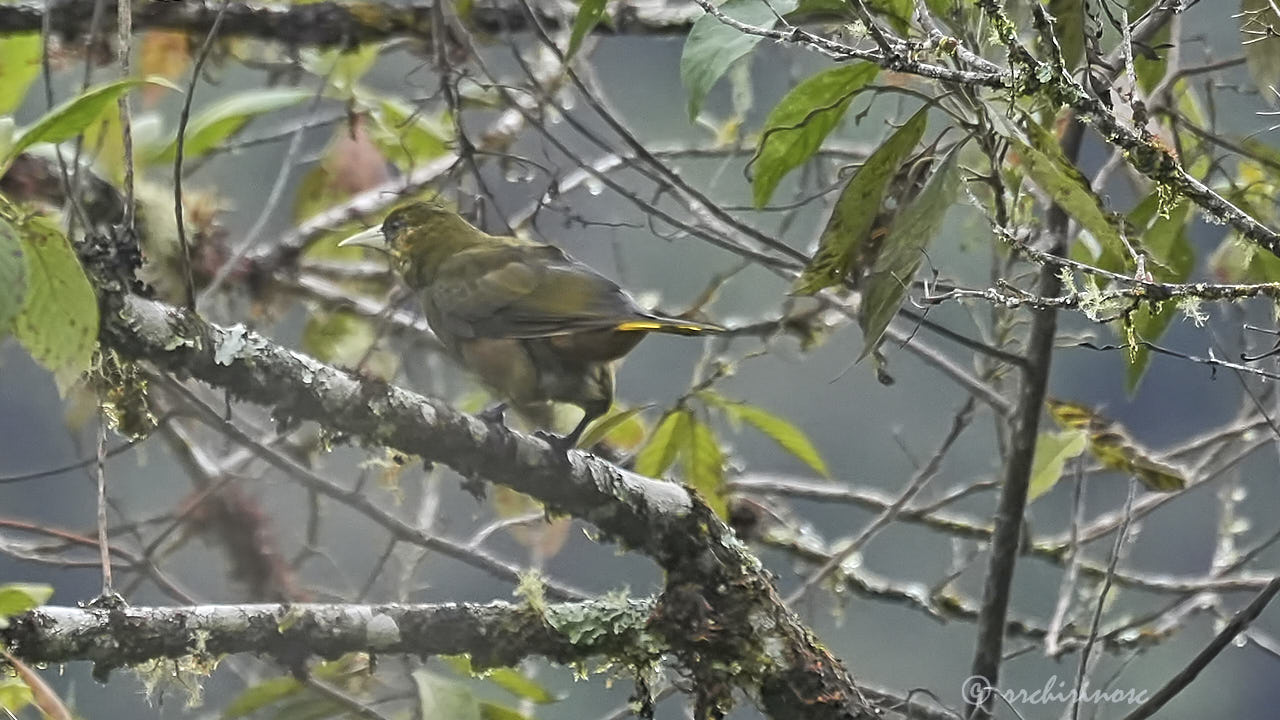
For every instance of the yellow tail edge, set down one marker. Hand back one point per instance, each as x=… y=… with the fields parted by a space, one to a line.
x=670 y=325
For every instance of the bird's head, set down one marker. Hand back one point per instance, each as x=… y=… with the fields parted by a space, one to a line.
x=418 y=237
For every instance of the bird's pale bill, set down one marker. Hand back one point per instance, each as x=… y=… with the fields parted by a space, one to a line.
x=372 y=237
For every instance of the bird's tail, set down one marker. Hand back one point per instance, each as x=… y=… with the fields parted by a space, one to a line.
x=674 y=326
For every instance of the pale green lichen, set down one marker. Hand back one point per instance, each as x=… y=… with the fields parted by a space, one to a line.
x=1189 y=306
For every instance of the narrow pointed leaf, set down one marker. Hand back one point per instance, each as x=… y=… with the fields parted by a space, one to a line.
x=703 y=464
x=790 y=437
x=589 y=14
x=1062 y=181
x=799 y=123
x=903 y=251
x=856 y=209
x=1173 y=258
x=214 y=124
x=668 y=437
x=73 y=116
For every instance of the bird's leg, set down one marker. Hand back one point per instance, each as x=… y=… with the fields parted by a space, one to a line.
x=564 y=443
x=494 y=414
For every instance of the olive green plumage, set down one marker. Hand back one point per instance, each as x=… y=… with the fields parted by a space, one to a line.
x=533 y=323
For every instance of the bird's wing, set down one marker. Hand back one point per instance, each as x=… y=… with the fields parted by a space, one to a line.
x=525 y=291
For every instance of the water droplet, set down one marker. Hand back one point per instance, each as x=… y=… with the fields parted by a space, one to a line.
x=594 y=185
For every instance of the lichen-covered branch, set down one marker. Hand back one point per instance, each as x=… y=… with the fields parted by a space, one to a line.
x=494 y=634
x=328 y=23
x=719 y=614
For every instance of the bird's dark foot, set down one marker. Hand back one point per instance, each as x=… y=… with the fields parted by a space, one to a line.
x=562 y=444
x=494 y=414
x=105 y=601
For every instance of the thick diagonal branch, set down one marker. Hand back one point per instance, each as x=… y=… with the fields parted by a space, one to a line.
x=719 y=613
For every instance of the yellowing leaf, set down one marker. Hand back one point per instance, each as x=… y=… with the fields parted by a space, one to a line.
x=1062 y=181
x=782 y=431
x=19 y=66
x=1173 y=258
x=799 y=123
x=712 y=46
x=856 y=209
x=665 y=442
x=903 y=251
x=509 y=679
x=620 y=427
x=17 y=598
x=1053 y=450
x=58 y=323
x=703 y=464
x=13 y=276
x=14 y=694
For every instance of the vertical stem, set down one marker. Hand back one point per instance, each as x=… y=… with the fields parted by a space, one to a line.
x=124 y=45
x=1022 y=446
x=104 y=550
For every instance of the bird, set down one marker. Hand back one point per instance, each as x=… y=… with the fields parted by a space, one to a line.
x=535 y=325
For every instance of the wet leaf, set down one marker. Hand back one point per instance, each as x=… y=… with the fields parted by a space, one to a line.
x=903 y=251
x=712 y=46
x=1053 y=450
x=856 y=209
x=799 y=123
x=670 y=435
x=58 y=323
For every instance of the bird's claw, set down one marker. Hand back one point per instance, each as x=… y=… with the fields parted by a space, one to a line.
x=560 y=443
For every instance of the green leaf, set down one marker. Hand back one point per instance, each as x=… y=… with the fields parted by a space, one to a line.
x=614 y=420
x=19 y=66
x=857 y=207
x=58 y=323
x=1150 y=70
x=441 y=698
x=897 y=12
x=903 y=251
x=261 y=695
x=1053 y=450
x=17 y=598
x=799 y=123
x=1062 y=181
x=589 y=13
x=13 y=276
x=1167 y=242
x=1068 y=29
x=226 y=117
x=665 y=442
x=713 y=46
x=509 y=679
x=790 y=437
x=703 y=464
x=406 y=134
x=73 y=116
x=14 y=694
